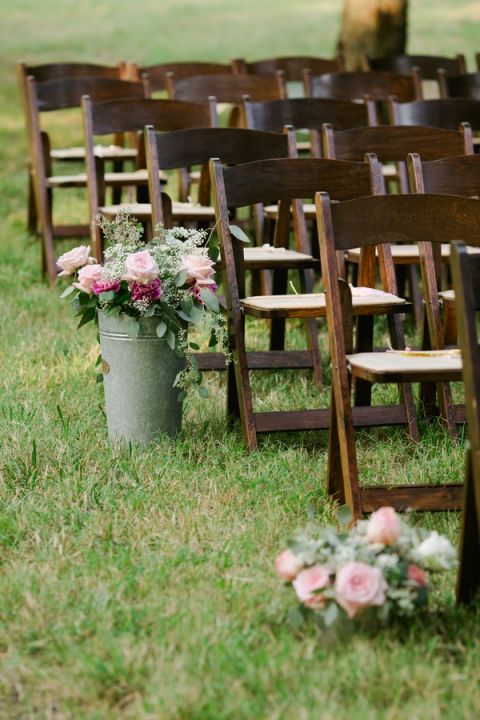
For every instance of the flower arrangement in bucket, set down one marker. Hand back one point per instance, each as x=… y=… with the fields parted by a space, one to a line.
x=144 y=298
x=379 y=568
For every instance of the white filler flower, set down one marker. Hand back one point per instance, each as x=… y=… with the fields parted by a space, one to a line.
x=436 y=552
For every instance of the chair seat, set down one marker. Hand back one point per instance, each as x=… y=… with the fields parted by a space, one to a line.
x=108 y=152
x=267 y=256
x=407 y=366
x=143 y=211
x=120 y=179
x=271 y=211
x=313 y=304
x=406 y=254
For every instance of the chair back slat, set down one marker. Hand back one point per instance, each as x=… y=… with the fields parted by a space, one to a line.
x=427 y=64
x=355 y=85
x=68 y=92
x=260 y=182
x=461 y=86
x=291 y=66
x=405 y=219
x=57 y=71
x=157 y=74
x=227 y=88
x=458 y=175
x=439 y=112
x=308 y=113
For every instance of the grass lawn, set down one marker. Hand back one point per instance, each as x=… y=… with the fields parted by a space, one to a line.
x=139 y=584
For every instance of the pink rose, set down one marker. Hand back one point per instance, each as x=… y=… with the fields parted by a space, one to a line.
x=288 y=565
x=87 y=276
x=199 y=269
x=74 y=259
x=359 y=586
x=384 y=526
x=417 y=575
x=309 y=580
x=146 y=293
x=140 y=267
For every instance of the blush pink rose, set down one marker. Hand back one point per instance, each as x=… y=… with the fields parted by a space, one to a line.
x=288 y=565
x=359 y=586
x=140 y=267
x=87 y=276
x=199 y=269
x=74 y=259
x=309 y=580
x=417 y=575
x=384 y=526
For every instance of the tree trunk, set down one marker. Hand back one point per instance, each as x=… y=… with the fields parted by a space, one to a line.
x=377 y=28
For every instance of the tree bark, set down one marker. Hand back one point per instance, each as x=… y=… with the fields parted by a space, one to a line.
x=377 y=28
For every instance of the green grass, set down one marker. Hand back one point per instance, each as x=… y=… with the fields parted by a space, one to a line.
x=139 y=584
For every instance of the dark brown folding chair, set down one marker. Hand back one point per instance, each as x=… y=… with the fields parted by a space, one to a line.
x=466 y=281
x=57 y=71
x=55 y=95
x=157 y=74
x=461 y=86
x=446 y=113
x=380 y=221
x=289 y=181
x=355 y=85
x=131 y=116
x=168 y=151
x=427 y=64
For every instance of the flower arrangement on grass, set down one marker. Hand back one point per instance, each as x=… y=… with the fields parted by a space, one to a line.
x=171 y=279
x=380 y=565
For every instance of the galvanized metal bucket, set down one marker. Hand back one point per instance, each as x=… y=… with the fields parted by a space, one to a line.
x=138 y=375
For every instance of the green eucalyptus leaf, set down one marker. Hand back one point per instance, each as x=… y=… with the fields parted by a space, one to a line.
x=196 y=315
x=180 y=278
x=181 y=396
x=107 y=296
x=150 y=311
x=98 y=360
x=330 y=615
x=161 y=329
x=171 y=339
x=239 y=234
x=87 y=316
x=194 y=346
x=210 y=300
x=186 y=305
x=68 y=291
x=132 y=327
x=184 y=316
x=99 y=378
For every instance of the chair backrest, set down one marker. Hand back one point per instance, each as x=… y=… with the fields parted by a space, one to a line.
x=292 y=66
x=287 y=181
x=68 y=92
x=355 y=85
x=393 y=143
x=227 y=88
x=184 y=148
x=458 y=175
x=427 y=64
x=466 y=282
x=57 y=71
x=461 y=86
x=308 y=114
x=157 y=74
x=440 y=112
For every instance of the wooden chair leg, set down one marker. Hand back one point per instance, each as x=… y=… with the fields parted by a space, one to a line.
x=415 y=294
x=43 y=203
x=334 y=471
x=244 y=391
x=277 y=327
x=32 y=220
x=468 y=578
x=405 y=391
x=450 y=326
x=346 y=446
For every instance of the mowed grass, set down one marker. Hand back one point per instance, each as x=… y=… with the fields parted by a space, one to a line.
x=139 y=584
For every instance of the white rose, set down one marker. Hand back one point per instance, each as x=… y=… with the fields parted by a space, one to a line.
x=436 y=552
x=74 y=259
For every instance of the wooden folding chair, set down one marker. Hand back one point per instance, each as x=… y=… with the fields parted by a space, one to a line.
x=460 y=86
x=157 y=74
x=289 y=181
x=57 y=71
x=131 y=116
x=466 y=281
x=440 y=112
x=380 y=221
x=57 y=95
x=167 y=151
